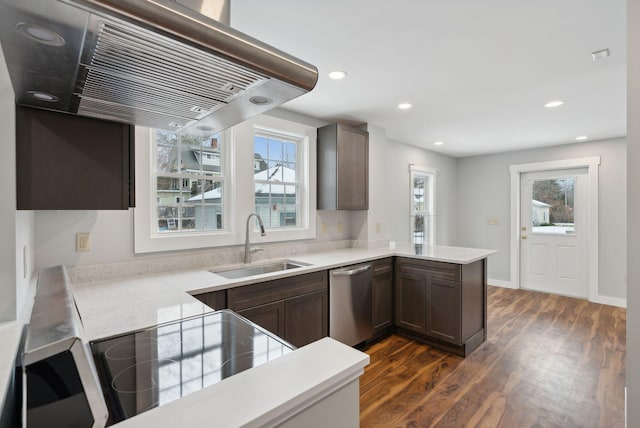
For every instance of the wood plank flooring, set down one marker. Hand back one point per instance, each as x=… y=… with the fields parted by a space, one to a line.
x=549 y=361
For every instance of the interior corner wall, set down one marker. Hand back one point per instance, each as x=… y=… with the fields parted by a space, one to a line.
x=633 y=213
x=395 y=191
x=8 y=288
x=484 y=192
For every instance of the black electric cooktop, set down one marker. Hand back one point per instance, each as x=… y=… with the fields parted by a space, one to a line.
x=146 y=369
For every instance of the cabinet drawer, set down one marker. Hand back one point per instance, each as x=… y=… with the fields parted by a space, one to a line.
x=382 y=266
x=270 y=291
x=429 y=268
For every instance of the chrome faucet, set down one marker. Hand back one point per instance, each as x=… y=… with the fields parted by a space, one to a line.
x=247 y=251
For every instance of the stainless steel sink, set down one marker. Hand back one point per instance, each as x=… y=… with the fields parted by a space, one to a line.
x=253 y=270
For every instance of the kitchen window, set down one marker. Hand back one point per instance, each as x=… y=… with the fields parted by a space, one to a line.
x=422 y=198
x=190 y=178
x=194 y=192
x=277 y=183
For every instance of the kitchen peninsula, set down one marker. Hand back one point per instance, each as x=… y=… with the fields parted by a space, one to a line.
x=301 y=388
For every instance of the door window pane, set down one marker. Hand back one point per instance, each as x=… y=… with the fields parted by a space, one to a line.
x=552 y=206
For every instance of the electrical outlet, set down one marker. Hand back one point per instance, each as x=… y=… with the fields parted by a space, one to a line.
x=82 y=242
x=378 y=227
x=340 y=227
x=323 y=228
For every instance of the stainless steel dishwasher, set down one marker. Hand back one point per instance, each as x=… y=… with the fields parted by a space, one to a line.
x=350 y=304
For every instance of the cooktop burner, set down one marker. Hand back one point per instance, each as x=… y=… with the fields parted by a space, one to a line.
x=145 y=369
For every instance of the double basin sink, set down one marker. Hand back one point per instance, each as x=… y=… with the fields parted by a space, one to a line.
x=253 y=270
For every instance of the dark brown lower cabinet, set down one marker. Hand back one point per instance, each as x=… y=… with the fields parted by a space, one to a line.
x=411 y=301
x=305 y=318
x=443 y=310
x=294 y=308
x=269 y=316
x=214 y=299
x=441 y=303
x=382 y=295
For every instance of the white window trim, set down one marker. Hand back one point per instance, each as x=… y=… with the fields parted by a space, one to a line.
x=306 y=228
x=239 y=189
x=430 y=174
x=146 y=237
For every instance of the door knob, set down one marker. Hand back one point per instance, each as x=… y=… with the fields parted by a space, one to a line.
x=524 y=236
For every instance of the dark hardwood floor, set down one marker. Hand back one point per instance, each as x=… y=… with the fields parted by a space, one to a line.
x=549 y=361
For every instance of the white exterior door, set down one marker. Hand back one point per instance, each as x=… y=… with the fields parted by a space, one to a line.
x=553 y=232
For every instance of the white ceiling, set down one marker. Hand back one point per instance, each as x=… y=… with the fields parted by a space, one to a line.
x=476 y=71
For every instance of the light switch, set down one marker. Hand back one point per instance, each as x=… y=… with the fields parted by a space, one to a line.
x=340 y=227
x=493 y=221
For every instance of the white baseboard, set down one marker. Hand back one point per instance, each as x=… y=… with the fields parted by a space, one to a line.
x=501 y=283
x=613 y=301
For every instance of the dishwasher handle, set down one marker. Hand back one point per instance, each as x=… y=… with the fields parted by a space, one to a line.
x=349 y=272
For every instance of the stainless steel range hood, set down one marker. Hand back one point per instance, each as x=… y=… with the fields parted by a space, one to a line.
x=154 y=63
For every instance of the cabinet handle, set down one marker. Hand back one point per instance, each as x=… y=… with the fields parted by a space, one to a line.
x=350 y=271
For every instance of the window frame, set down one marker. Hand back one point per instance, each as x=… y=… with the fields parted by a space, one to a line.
x=299 y=141
x=146 y=237
x=306 y=164
x=238 y=157
x=429 y=174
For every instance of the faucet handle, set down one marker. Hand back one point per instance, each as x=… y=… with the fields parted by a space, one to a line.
x=255 y=249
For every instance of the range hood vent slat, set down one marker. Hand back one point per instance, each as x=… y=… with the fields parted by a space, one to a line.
x=175 y=82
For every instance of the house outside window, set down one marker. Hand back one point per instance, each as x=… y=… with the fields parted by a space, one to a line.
x=189 y=178
x=195 y=192
x=277 y=183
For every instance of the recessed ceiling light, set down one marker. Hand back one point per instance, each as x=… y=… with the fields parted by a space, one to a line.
x=404 y=106
x=260 y=100
x=204 y=128
x=42 y=96
x=438 y=143
x=337 y=74
x=552 y=104
x=602 y=53
x=40 y=34
x=582 y=138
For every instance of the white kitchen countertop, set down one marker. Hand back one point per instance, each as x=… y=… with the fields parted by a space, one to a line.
x=10 y=334
x=108 y=308
x=256 y=396
x=263 y=395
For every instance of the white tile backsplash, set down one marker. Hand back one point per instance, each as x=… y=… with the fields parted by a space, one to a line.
x=215 y=258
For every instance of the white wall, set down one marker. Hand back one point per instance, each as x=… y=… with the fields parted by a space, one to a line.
x=16 y=228
x=397 y=190
x=484 y=192
x=111 y=232
x=633 y=213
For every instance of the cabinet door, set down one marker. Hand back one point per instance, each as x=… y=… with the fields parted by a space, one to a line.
x=68 y=162
x=306 y=318
x=214 y=299
x=443 y=310
x=269 y=316
x=411 y=301
x=353 y=169
x=382 y=295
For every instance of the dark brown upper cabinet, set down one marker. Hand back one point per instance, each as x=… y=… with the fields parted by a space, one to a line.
x=343 y=168
x=67 y=162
